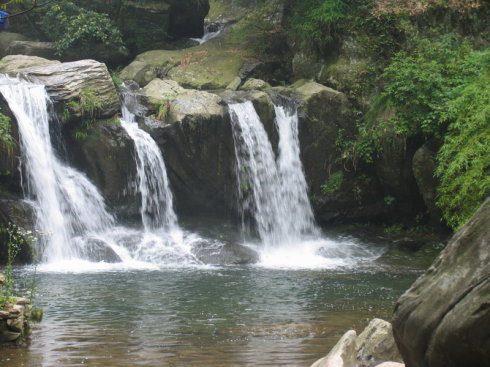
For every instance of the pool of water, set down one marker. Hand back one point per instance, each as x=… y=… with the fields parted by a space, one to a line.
x=220 y=316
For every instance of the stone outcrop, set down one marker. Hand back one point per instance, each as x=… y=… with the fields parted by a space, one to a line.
x=444 y=318
x=255 y=84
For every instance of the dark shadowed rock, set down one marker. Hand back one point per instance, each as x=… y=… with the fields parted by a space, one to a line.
x=6 y=39
x=106 y=155
x=444 y=318
x=424 y=167
x=31 y=48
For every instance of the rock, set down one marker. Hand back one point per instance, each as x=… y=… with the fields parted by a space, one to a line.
x=65 y=82
x=6 y=38
x=15 y=62
x=8 y=336
x=202 y=67
x=2 y=279
x=224 y=254
x=106 y=155
x=139 y=71
x=97 y=250
x=17 y=324
x=159 y=90
x=376 y=344
x=424 y=166
x=193 y=106
x=255 y=84
x=31 y=48
x=305 y=66
x=390 y=364
x=444 y=318
x=235 y=83
x=343 y=354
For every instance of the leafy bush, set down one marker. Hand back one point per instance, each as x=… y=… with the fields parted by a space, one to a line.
x=6 y=140
x=464 y=159
x=420 y=84
x=315 y=21
x=71 y=26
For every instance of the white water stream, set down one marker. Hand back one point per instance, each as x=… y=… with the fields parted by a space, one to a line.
x=273 y=192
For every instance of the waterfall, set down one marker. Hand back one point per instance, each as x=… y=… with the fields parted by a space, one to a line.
x=151 y=177
x=273 y=191
x=66 y=204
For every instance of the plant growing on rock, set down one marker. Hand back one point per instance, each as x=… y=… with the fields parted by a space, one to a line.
x=6 y=139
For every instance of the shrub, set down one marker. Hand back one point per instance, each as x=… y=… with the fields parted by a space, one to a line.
x=73 y=27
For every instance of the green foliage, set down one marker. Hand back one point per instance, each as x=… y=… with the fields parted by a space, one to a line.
x=464 y=159
x=13 y=241
x=6 y=139
x=419 y=85
x=315 y=21
x=333 y=183
x=71 y=26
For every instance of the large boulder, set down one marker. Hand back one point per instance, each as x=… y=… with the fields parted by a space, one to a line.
x=444 y=318
x=66 y=81
x=12 y=63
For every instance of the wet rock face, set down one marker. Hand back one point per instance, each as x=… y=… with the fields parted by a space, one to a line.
x=107 y=156
x=444 y=318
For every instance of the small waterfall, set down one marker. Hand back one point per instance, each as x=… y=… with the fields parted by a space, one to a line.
x=152 y=181
x=273 y=191
x=66 y=204
x=211 y=31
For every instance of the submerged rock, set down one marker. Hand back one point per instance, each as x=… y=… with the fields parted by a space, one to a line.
x=444 y=318
x=224 y=254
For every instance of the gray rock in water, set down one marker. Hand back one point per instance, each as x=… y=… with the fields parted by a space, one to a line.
x=376 y=344
x=444 y=318
x=97 y=250
x=343 y=354
x=224 y=254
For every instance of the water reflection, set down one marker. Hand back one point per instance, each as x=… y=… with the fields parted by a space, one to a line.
x=221 y=317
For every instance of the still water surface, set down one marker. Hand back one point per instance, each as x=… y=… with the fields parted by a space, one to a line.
x=233 y=316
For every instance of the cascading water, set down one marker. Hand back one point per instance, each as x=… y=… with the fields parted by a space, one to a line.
x=274 y=193
x=66 y=204
x=156 y=198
